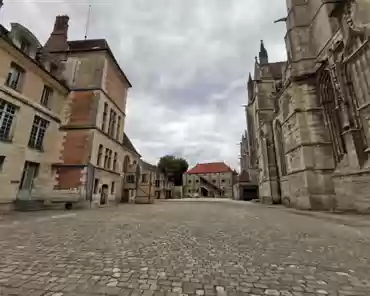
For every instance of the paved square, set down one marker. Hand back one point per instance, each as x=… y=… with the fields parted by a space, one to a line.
x=182 y=248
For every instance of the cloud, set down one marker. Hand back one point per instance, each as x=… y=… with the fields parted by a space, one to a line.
x=188 y=62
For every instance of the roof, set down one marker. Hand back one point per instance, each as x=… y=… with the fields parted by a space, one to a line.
x=210 y=168
x=95 y=45
x=128 y=144
x=146 y=166
x=4 y=34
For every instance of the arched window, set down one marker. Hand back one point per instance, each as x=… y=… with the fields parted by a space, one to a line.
x=280 y=148
x=126 y=163
x=331 y=114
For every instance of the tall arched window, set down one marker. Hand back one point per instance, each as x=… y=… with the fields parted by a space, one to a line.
x=280 y=148
x=126 y=163
x=331 y=114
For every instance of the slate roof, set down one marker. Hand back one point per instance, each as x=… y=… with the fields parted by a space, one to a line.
x=128 y=144
x=210 y=168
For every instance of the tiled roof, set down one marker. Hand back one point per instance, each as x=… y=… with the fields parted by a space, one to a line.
x=210 y=168
x=128 y=144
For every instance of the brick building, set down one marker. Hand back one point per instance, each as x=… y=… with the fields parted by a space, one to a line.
x=209 y=180
x=95 y=146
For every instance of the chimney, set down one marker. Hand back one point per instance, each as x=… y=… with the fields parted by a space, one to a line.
x=58 y=40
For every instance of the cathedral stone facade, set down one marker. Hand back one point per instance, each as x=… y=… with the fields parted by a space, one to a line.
x=308 y=118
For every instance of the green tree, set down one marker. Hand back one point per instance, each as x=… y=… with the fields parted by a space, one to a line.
x=173 y=167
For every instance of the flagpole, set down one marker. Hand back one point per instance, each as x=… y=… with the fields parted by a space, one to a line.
x=88 y=21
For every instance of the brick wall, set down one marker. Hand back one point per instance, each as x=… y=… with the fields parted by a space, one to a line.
x=115 y=85
x=83 y=108
x=69 y=177
x=77 y=147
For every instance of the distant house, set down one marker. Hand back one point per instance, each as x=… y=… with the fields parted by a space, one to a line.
x=209 y=180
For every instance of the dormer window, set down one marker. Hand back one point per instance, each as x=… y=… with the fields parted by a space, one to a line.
x=25 y=46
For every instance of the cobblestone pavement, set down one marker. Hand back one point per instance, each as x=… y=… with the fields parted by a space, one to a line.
x=189 y=248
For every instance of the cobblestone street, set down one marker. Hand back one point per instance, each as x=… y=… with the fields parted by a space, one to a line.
x=189 y=248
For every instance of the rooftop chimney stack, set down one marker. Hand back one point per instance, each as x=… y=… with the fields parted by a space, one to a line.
x=58 y=40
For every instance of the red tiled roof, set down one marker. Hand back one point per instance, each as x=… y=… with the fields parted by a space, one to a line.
x=210 y=168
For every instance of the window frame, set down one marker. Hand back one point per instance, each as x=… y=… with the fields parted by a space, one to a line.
x=8 y=113
x=46 y=96
x=37 y=142
x=18 y=83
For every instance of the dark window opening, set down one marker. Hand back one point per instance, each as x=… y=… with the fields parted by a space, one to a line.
x=38 y=132
x=96 y=186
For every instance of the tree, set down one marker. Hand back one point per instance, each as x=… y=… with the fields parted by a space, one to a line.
x=173 y=167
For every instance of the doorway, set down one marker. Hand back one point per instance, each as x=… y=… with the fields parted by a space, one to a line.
x=104 y=194
x=29 y=175
x=126 y=196
x=204 y=192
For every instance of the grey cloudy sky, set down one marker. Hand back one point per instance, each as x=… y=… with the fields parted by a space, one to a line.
x=188 y=61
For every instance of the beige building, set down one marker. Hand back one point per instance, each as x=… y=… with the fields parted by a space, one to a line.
x=209 y=180
x=31 y=104
x=308 y=127
x=164 y=188
x=146 y=182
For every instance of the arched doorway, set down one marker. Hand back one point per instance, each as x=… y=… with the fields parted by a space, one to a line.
x=104 y=194
x=204 y=192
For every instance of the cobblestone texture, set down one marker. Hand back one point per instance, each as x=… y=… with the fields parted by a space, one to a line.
x=182 y=248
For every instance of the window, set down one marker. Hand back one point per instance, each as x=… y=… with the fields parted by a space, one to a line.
x=110 y=159
x=115 y=161
x=100 y=153
x=104 y=121
x=213 y=181
x=96 y=186
x=113 y=129
x=196 y=181
x=7 y=115
x=47 y=93
x=38 y=131
x=14 y=79
x=157 y=183
x=106 y=158
x=2 y=159
x=111 y=123
x=223 y=180
x=189 y=181
x=112 y=188
x=130 y=179
x=144 y=178
x=189 y=191
x=118 y=127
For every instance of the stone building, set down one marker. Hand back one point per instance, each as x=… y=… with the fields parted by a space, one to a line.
x=308 y=117
x=31 y=104
x=209 y=180
x=164 y=188
x=95 y=146
x=146 y=177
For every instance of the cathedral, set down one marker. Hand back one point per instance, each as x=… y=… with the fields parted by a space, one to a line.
x=308 y=118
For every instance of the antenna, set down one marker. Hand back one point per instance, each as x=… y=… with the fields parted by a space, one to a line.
x=88 y=21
